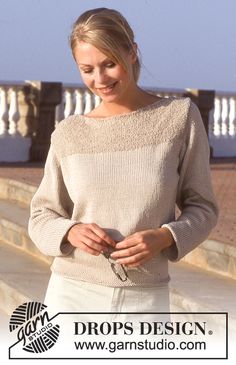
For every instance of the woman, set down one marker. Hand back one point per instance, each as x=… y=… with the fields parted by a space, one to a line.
x=105 y=208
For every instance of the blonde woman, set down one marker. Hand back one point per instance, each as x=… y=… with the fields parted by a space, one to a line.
x=105 y=208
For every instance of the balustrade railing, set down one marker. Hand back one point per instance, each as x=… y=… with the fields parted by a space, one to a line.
x=222 y=125
x=14 y=146
x=23 y=106
x=77 y=100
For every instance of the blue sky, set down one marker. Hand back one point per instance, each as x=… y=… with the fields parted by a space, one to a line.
x=184 y=43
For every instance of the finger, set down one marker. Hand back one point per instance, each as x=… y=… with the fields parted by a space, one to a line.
x=88 y=249
x=92 y=244
x=88 y=237
x=132 y=259
x=131 y=251
x=128 y=242
x=95 y=238
x=138 y=263
x=102 y=234
x=88 y=232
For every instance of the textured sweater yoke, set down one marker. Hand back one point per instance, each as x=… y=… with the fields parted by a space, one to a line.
x=160 y=122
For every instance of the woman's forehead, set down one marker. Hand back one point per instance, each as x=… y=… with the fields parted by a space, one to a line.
x=86 y=53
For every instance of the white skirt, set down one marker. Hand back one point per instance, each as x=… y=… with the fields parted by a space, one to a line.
x=68 y=295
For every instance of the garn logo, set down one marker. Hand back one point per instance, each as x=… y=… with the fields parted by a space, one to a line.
x=34 y=327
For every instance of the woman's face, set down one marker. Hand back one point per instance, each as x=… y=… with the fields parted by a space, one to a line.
x=101 y=75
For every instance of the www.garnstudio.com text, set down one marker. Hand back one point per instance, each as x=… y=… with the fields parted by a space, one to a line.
x=164 y=344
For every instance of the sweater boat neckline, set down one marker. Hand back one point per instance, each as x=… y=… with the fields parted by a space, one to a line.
x=92 y=120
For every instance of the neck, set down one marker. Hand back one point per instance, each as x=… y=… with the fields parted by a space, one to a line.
x=136 y=99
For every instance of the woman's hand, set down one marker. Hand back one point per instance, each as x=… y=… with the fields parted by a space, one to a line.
x=142 y=246
x=90 y=238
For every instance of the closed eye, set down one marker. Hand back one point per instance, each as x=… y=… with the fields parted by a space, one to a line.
x=110 y=65
x=87 y=71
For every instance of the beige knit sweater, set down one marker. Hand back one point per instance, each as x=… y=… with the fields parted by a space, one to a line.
x=125 y=173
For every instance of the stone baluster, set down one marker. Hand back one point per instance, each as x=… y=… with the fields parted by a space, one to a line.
x=232 y=117
x=14 y=147
x=3 y=112
x=14 y=114
x=69 y=105
x=88 y=102
x=25 y=100
x=217 y=117
x=79 y=104
x=225 y=116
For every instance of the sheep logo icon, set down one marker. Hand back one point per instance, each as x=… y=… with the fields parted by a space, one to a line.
x=34 y=328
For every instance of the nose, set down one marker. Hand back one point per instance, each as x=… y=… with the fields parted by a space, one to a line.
x=100 y=77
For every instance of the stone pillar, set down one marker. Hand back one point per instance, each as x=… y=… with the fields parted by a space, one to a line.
x=47 y=96
x=204 y=99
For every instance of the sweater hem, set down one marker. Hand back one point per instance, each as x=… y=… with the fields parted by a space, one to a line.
x=113 y=284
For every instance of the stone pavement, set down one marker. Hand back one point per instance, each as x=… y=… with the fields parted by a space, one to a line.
x=223 y=172
x=224 y=184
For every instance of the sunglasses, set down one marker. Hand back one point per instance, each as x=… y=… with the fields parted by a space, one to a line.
x=118 y=269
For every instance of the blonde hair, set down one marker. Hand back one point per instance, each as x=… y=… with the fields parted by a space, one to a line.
x=109 y=31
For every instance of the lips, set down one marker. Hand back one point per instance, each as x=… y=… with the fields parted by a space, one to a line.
x=107 y=88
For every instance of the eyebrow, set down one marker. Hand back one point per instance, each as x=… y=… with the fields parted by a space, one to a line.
x=107 y=59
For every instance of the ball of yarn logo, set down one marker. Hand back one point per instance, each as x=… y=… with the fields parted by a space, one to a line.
x=25 y=319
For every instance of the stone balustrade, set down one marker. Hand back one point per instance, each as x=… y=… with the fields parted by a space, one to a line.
x=14 y=141
x=222 y=125
x=29 y=111
x=77 y=100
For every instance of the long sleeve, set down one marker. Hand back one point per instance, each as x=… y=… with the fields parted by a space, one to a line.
x=51 y=209
x=195 y=197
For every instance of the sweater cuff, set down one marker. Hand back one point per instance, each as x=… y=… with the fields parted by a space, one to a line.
x=64 y=247
x=53 y=243
x=172 y=252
